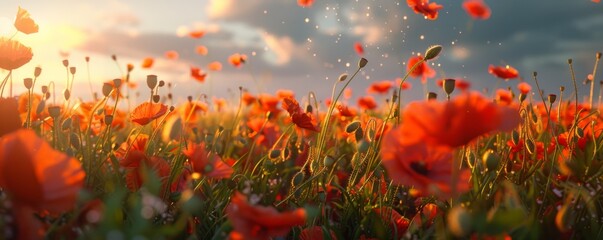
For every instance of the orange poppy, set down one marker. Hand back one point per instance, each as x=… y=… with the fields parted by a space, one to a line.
x=524 y=87
x=147 y=112
x=208 y=164
x=37 y=176
x=315 y=233
x=430 y=10
x=427 y=168
x=147 y=62
x=345 y=111
x=381 y=87
x=300 y=118
x=477 y=9
x=237 y=59
x=260 y=222
x=423 y=70
x=269 y=103
x=173 y=55
x=196 y=34
x=11 y=119
x=14 y=54
x=367 y=103
x=24 y=23
x=132 y=158
x=190 y=110
x=359 y=49
x=220 y=103
x=248 y=98
x=197 y=74
x=215 y=66
x=347 y=93
x=284 y=93
x=201 y=50
x=504 y=97
x=457 y=122
x=506 y=72
x=596 y=1
x=305 y=3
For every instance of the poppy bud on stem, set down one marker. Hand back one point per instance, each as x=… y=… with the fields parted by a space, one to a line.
x=152 y=81
x=432 y=96
x=432 y=52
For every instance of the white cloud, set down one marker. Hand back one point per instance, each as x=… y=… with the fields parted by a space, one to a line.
x=280 y=49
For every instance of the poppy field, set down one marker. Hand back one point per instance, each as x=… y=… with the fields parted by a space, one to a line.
x=512 y=162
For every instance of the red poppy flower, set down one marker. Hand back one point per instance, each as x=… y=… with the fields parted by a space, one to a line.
x=381 y=87
x=259 y=222
x=214 y=66
x=14 y=54
x=37 y=176
x=430 y=10
x=504 y=97
x=147 y=62
x=248 y=98
x=524 y=87
x=359 y=49
x=208 y=164
x=405 y=86
x=147 y=112
x=506 y=72
x=173 y=55
x=237 y=59
x=394 y=219
x=201 y=50
x=315 y=233
x=196 y=34
x=423 y=70
x=11 y=119
x=427 y=168
x=197 y=74
x=24 y=23
x=367 y=103
x=345 y=111
x=457 y=122
x=298 y=116
x=596 y=1
x=305 y=3
x=477 y=9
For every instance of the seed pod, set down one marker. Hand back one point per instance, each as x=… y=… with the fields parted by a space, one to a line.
x=117 y=82
x=37 y=71
x=54 y=111
x=67 y=94
x=552 y=98
x=156 y=98
x=28 y=82
x=72 y=70
x=108 y=119
x=362 y=63
x=432 y=96
x=107 y=88
x=152 y=81
x=161 y=83
x=274 y=154
x=343 y=77
x=449 y=85
x=66 y=63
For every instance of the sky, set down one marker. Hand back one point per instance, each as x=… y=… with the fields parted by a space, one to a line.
x=304 y=49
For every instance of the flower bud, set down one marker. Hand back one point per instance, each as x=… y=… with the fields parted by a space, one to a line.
x=66 y=63
x=44 y=89
x=72 y=70
x=108 y=119
x=362 y=62
x=343 y=77
x=114 y=57
x=432 y=96
x=161 y=83
x=28 y=82
x=459 y=221
x=156 y=98
x=67 y=94
x=569 y=61
x=522 y=97
x=274 y=154
x=598 y=55
x=432 y=52
x=152 y=81
x=352 y=127
x=490 y=160
x=87 y=59
x=328 y=161
x=130 y=67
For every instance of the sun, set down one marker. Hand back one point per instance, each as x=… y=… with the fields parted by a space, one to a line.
x=60 y=37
